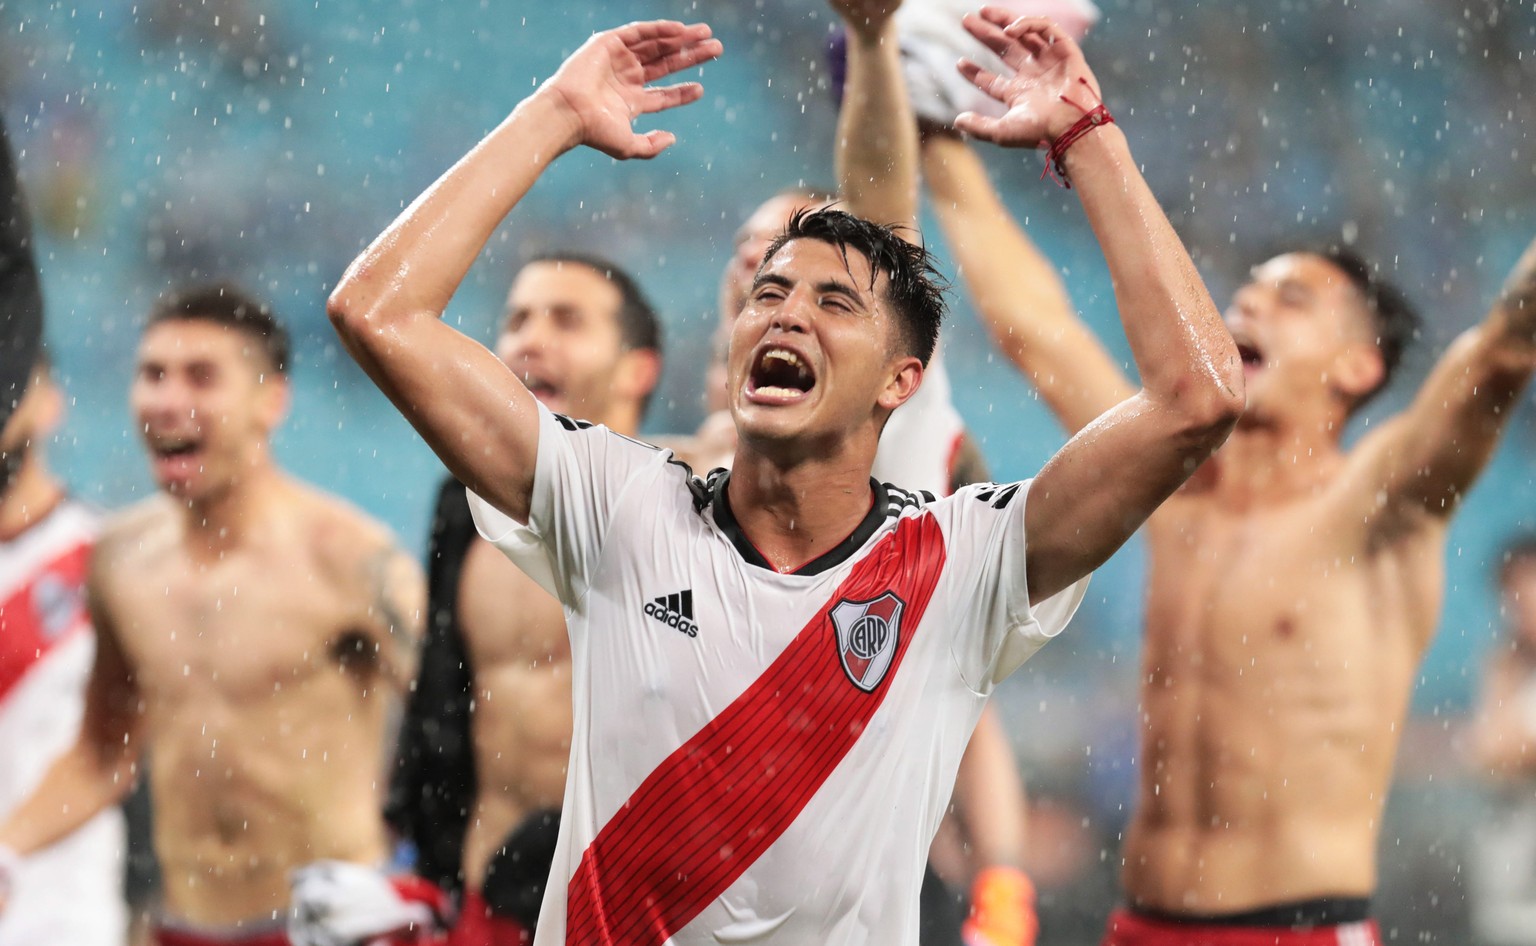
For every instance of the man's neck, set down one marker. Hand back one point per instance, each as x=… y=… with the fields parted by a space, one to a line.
x=1264 y=462
x=795 y=513
x=32 y=495
x=219 y=523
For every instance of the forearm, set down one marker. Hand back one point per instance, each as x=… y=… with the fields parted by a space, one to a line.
x=81 y=784
x=876 y=160
x=989 y=793
x=415 y=265
x=1016 y=290
x=1185 y=356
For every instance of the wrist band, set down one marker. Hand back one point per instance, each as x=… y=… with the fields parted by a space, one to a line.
x=1092 y=118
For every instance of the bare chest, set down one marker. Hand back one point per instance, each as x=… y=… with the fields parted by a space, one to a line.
x=509 y=622
x=241 y=629
x=1290 y=589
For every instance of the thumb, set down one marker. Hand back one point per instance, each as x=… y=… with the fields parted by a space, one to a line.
x=650 y=144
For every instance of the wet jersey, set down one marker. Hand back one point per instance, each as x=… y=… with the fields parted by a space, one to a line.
x=760 y=757
x=46 y=649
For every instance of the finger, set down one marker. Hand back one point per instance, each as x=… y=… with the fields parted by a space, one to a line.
x=655 y=47
x=634 y=33
x=977 y=126
x=997 y=16
x=650 y=144
x=987 y=81
x=670 y=96
x=992 y=36
x=682 y=59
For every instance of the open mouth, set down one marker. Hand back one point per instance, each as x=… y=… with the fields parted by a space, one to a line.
x=540 y=388
x=1251 y=356
x=171 y=449
x=780 y=374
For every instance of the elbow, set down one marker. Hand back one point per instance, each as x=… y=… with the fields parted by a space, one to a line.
x=1208 y=408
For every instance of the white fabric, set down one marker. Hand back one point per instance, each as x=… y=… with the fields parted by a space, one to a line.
x=335 y=903
x=917 y=447
x=618 y=526
x=932 y=40
x=71 y=892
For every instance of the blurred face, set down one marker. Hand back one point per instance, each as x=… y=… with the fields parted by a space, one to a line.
x=1303 y=335
x=562 y=338
x=752 y=242
x=1519 y=599
x=206 y=403
x=812 y=354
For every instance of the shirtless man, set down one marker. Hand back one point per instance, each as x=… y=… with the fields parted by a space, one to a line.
x=252 y=633
x=1293 y=585
x=755 y=822
x=73 y=892
x=488 y=731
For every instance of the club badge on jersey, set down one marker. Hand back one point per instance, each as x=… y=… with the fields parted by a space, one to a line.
x=867 y=634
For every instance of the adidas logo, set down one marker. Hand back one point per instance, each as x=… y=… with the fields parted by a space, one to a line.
x=676 y=611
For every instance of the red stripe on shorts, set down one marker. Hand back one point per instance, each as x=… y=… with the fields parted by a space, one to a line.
x=716 y=804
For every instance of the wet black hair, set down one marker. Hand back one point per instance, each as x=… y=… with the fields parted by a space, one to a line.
x=914 y=286
x=226 y=304
x=1393 y=317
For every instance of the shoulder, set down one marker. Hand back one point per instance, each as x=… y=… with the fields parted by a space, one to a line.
x=142 y=530
x=341 y=539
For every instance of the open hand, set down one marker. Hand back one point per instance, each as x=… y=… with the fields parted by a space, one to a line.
x=603 y=86
x=1048 y=89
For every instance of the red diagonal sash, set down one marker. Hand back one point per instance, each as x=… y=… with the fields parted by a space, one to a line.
x=34 y=620
x=716 y=804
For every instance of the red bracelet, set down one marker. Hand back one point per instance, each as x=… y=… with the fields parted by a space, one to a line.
x=1092 y=118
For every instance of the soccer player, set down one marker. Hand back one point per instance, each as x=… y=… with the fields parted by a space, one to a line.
x=774 y=770
x=251 y=635
x=73 y=892
x=487 y=734
x=1501 y=872
x=1293 y=584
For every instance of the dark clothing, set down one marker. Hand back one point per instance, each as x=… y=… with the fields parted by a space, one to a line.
x=433 y=787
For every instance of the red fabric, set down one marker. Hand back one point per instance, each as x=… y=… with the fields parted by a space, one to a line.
x=27 y=633
x=174 y=937
x=477 y=927
x=742 y=780
x=1127 y=929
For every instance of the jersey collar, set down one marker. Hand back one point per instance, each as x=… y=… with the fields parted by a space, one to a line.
x=833 y=557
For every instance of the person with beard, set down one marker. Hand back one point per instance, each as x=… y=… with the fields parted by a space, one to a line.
x=252 y=635
x=487 y=734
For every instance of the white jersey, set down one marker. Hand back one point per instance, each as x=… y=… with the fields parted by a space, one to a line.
x=760 y=756
x=71 y=892
x=922 y=437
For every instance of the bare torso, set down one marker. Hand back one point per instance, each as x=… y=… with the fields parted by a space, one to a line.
x=1281 y=644
x=264 y=695
x=521 y=721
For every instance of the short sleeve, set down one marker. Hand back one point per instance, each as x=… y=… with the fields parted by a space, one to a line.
x=580 y=475
x=998 y=629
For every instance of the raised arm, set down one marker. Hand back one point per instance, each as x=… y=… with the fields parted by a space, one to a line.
x=474 y=413
x=99 y=768
x=1016 y=291
x=1109 y=478
x=876 y=131
x=1428 y=456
